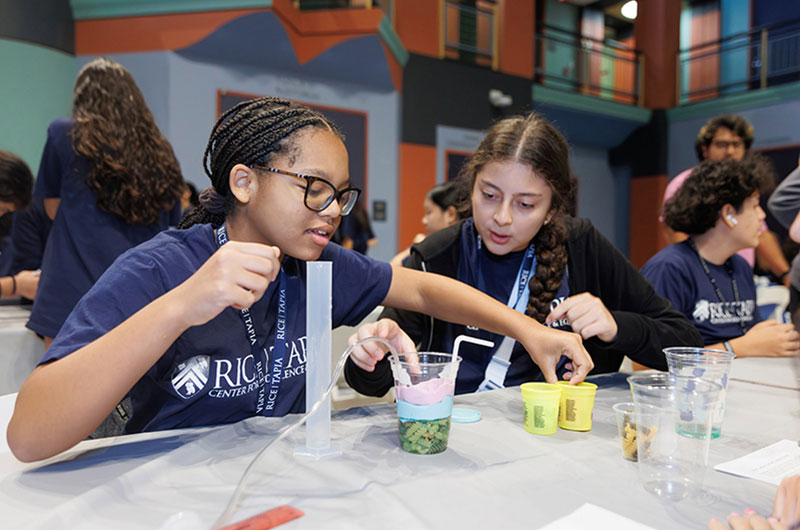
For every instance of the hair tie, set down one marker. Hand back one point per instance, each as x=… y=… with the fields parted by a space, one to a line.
x=213 y=201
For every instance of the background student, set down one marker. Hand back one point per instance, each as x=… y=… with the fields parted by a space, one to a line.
x=109 y=180
x=16 y=184
x=207 y=325
x=441 y=211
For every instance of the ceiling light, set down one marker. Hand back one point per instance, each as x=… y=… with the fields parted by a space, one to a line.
x=629 y=9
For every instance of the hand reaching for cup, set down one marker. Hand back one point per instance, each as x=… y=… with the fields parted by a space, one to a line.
x=368 y=354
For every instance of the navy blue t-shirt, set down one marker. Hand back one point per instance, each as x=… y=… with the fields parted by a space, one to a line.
x=498 y=274
x=209 y=375
x=83 y=240
x=350 y=227
x=677 y=275
x=29 y=234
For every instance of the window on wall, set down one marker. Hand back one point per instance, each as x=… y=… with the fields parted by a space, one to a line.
x=470 y=31
x=587 y=47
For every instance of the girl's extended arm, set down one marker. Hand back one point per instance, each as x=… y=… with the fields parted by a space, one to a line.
x=63 y=401
x=452 y=301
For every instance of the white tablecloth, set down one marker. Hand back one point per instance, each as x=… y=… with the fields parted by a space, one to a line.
x=783 y=372
x=20 y=348
x=493 y=474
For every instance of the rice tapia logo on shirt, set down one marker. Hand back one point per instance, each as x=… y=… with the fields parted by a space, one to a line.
x=190 y=376
x=724 y=312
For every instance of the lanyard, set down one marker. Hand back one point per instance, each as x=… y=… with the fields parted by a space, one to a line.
x=729 y=270
x=279 y=343
x=518 y=299
x=496 y=370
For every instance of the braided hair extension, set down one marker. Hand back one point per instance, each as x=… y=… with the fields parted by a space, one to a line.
x=532 y=141
x=251 y=133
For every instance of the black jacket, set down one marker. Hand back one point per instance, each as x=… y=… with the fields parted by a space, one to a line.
x=647 y=322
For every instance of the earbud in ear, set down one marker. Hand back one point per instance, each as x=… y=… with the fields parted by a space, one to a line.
x=732 y=219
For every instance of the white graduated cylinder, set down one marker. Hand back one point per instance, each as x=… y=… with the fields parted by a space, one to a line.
x=318 y=353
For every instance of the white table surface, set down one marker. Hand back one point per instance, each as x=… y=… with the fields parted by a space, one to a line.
x=493 y=474
x=780 y=372
x=20 y=348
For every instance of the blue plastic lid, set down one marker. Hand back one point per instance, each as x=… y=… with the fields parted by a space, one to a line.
x=465 y=415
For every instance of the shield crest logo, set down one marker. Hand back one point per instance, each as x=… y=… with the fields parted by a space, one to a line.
x=190 y=376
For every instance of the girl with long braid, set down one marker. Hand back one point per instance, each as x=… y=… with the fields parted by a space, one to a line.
x=206 y=325
x=518 y=189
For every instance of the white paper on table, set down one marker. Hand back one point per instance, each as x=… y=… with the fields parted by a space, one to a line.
x=591 y=516
x=770 y=464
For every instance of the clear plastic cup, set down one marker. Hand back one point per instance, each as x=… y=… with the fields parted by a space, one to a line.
x=711 y=365
x=577 y=403
x=424 y=385
x=626 y=426
x=540 y=407
x=673 y=431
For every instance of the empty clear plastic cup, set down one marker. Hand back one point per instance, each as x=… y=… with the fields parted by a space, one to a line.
x=673 y=418
x=540 y=407
x=577 y=403
x=711 y=365
x=424 y=384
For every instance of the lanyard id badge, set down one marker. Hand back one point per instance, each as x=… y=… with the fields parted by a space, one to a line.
x=265 y=401
x=495 y=374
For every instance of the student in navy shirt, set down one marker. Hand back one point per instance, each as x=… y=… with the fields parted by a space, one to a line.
x=207 y=325
x=109 y=180
x=521 y=247
x=703 y=277
x=16 y=183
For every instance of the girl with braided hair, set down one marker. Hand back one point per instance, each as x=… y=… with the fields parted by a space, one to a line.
x=206 y=325
x=109 y=181
x=517 y=192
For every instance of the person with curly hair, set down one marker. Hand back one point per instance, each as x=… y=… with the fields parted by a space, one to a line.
x=109 y=180
x=703 y=277
x=519 y=245
x=729 y=137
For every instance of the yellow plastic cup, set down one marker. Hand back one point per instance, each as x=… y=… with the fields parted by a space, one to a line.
x=540 y=405
x=577 y=402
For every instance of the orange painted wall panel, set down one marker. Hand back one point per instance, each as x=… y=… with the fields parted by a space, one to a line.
x=516 y=39
x=646 y=234
x=149 y=33
x=656 y=31
x=417 y=25
x=417 y=176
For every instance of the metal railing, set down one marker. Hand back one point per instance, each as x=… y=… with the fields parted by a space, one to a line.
x=755 y=59
x=469 y=33
x=605 y=69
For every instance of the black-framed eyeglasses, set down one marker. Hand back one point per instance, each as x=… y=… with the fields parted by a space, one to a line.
x=320 y=193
